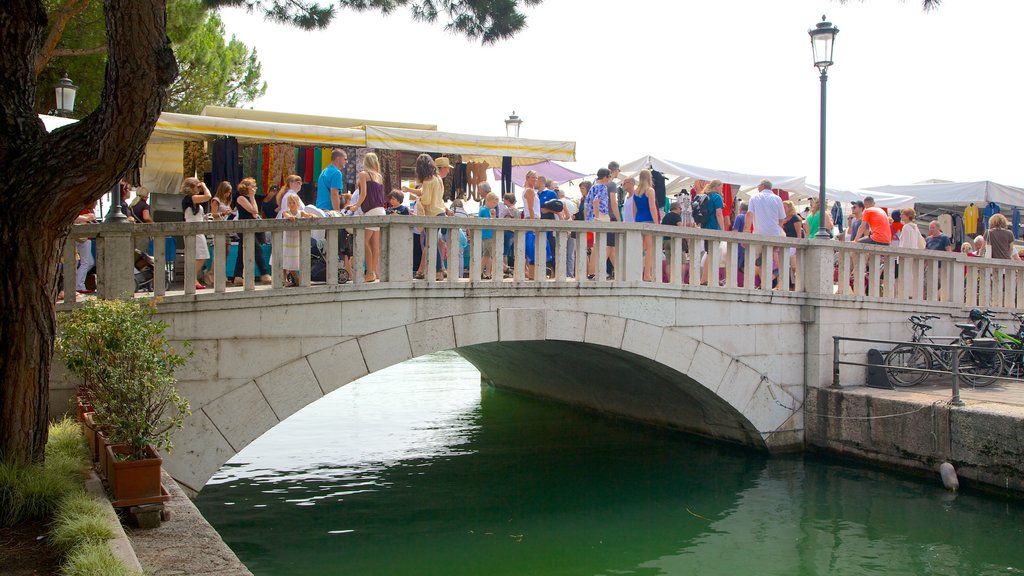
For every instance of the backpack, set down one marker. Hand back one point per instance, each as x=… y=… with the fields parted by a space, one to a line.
x=701 y=209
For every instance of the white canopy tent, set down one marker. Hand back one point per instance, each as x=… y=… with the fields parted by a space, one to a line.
x=882 y=199
x=958 y=193
x=681 y=175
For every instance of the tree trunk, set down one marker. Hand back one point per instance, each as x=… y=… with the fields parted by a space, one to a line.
x=57 y=174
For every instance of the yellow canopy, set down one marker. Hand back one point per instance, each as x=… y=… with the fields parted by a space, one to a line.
x=467 y=144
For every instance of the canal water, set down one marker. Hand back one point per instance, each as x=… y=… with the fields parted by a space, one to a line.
x=418 y=470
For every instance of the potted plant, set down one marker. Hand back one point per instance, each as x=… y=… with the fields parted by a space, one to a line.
x=130 y=365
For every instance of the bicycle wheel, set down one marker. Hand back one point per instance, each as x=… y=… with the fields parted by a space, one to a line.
x=903 y=365
x=980 y=366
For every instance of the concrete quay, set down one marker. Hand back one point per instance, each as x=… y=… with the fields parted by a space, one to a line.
x=917 y=429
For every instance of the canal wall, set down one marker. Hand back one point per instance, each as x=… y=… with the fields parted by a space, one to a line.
x=985 y=442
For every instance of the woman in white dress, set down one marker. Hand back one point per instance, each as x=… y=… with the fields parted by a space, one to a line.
x=195 y=195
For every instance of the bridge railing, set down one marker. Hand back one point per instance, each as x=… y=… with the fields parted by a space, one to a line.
x=681 y=256
x=892 y=273
x=675 y=252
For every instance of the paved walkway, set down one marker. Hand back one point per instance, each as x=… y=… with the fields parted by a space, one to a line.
x=1005 y=397
x=186 y=544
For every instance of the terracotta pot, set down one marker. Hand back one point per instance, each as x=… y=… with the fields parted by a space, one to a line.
x=134 y=482
x=89 y=429
x=102 y=462
x=81 y=409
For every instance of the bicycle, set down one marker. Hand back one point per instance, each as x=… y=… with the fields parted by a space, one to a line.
x=909 y=364
x=1013 y=357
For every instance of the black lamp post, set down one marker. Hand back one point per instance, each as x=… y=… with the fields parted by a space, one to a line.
x=512 y=124
x=65 y=93
x=823 y=35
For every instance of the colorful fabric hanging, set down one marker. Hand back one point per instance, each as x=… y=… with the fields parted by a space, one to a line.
x=318 y=166
x=309 y=173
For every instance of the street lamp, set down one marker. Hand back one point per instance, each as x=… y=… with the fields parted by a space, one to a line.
x=512 y=124
x=65 y=92
x=823 y=35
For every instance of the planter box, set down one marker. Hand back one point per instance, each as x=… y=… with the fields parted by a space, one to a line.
x=89 y=430
x=101 y=445
x=81 y=409
x=134 y=482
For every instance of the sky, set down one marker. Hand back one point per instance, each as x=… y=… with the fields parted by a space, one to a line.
x=723 y=84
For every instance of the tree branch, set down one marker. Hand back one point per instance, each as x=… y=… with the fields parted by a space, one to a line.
x=58 y=52
x=59 y=20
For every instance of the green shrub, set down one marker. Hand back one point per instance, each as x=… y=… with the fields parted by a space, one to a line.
x=93 y=560
x=127 y=367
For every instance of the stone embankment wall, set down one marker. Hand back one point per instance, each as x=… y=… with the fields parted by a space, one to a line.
x=984 y=443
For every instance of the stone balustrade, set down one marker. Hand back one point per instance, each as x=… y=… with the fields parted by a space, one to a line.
x=801 y=267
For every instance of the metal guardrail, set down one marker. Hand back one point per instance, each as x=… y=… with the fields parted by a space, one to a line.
x=954 y=370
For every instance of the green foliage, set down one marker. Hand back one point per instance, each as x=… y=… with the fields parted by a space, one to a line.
x=212 y=70
x=80 y=520
x=127 y=365
x=93 y=560
x=488 y=20
x=34 y=491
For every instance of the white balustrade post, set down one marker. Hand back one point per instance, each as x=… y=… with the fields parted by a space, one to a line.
x=159 y=265
x=631 y=257
x=189 y=275
x=399 y=261
x=220 y=262
x=248 y=255
x=818 y=270
x=476 y=254
x=561 y=255
x=115 y=262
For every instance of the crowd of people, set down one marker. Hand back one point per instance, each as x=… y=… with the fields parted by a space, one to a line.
x=611 y=197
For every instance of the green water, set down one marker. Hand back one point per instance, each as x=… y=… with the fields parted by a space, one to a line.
x=418 y=470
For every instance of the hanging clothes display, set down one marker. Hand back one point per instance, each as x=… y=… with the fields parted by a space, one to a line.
x=783 y=194
x=460 y=181
x=300 y=162
x=991 y=209
x=1015 y=222
x=957 y=237
x=727 y=200
x=350 y=171
x=837 y=216
x=658 y=179
x=309 y=173
x=506 y=174
x=971 y=219
x=225 y=160
x=249 y=160
x=318 y=154
x=946 y=224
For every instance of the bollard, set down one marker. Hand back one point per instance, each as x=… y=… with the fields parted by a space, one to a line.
x=835 y=363
x=956 y=401
x=948 y=475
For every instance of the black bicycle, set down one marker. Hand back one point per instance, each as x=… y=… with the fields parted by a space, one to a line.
x=979 y=362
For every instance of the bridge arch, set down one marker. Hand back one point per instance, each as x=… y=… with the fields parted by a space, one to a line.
x=625 y=367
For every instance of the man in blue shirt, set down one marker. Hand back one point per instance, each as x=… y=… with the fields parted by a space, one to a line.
x=331 y=182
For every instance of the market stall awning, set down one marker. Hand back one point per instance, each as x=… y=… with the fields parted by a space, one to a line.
x=958 y=193
x=306 y=119
x=189 y=127
x=547 y=169
x=793 y=184
x=882 y=199
x=468 y=144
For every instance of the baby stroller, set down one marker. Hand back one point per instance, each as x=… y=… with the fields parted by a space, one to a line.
x=143 y=271
x=318 y=262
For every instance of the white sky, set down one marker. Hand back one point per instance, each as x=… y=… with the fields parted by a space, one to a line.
x=725 y=84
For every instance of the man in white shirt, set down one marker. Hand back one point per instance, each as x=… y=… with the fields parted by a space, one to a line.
x=765 y=216
x=766 y=213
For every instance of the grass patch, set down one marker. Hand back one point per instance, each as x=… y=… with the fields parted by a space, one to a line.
x=93 y=560
x=54 y=491
x=80 y=520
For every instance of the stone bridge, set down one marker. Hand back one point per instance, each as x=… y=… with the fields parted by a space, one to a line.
x=729 y=361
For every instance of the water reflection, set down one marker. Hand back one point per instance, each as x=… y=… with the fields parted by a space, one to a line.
x=417 y=470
